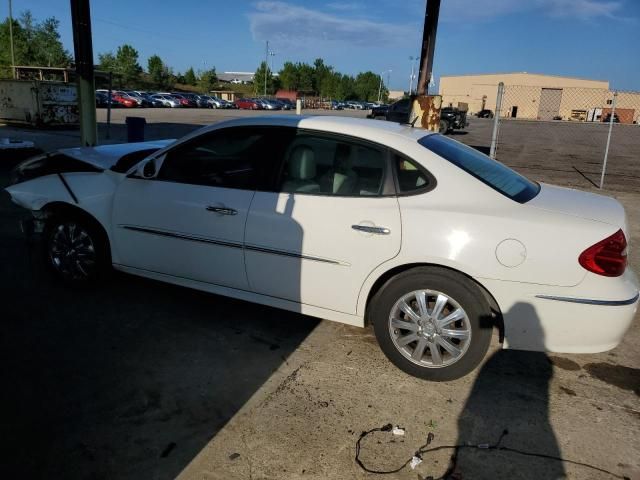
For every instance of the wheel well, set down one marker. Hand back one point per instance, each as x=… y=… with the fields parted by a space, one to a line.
x=495 y=308
x=61 y=209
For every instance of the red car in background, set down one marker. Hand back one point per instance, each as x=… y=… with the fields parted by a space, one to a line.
x=247 y=104
x=125 y=101
x=184 y=101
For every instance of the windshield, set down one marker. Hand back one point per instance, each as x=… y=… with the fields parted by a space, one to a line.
x=498 y=176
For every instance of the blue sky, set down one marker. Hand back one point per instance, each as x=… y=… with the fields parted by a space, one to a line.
x=597 y=39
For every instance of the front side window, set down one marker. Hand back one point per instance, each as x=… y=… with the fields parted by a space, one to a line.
x=498 y=176
x=228 y=158
x=326 y=165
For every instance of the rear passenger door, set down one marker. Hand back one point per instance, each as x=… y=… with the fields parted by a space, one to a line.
x=332 y=219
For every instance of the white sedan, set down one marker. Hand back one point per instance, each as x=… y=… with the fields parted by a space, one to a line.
x=349 y=220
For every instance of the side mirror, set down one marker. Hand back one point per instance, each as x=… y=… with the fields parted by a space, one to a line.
x=147 y=169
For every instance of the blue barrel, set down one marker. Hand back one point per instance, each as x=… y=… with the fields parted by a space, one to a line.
x=135 y=129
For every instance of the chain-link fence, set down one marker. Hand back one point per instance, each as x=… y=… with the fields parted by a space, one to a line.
x=587 y=134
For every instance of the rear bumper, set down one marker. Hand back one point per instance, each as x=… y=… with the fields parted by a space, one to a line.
x=591 y=317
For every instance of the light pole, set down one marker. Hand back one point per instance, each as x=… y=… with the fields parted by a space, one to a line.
x=380 y=86
x=266 y=68
x=13 y=59
x=413 y=61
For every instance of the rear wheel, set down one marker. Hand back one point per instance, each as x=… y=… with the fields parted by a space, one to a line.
x=444 y=126
x=76 y=250
x=432 y=323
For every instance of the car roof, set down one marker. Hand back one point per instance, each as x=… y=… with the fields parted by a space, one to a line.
x=373 y=130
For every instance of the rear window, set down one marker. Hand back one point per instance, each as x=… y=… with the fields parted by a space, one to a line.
x=498 y=176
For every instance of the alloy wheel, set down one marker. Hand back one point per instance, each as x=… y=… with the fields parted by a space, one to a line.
x=429 y=328
x=72 y=251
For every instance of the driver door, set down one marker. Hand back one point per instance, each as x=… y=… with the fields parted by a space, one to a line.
x=188 y=221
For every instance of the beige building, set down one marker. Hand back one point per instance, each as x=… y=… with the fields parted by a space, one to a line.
x=541 y=97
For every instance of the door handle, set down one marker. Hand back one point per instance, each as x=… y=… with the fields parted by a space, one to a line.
x=368 y=229
x=222 y=210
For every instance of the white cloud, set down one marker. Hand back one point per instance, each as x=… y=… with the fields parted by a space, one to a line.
x=486 y=9
x=295 y=26
x=584 y=9
x=345 y=6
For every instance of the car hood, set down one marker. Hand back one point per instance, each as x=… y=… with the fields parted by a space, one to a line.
x=580 y=204
x=106 y=156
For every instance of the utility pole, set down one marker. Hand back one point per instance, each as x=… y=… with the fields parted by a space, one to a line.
x=431 y=15
x=83 y=50
x=13 y=58
x=266 y=68
x=380 y=85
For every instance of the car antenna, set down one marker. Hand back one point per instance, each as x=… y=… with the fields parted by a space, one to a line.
x=413 y=122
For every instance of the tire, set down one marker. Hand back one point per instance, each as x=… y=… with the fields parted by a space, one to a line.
x=76 y=249
x=421 y=348
x=444 y=126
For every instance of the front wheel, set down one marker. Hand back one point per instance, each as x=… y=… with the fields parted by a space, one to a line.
x=432 y=323
x=76 y=250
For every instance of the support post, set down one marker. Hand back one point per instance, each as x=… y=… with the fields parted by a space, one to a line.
x=83 y=50
x=13 y=58
x=108 y=135
x=428 y=45
x=496 y=121
x=606 y=149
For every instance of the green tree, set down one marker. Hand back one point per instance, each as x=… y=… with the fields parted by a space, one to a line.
x=160 y=74
x=288 y=76
x=124 y=64
x=208 y=79
x=259 y=80
x=305 y=78
x=190 y=77
x=367 y=85
x=35 y=43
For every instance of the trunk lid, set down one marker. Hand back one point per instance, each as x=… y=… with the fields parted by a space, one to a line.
x=576 y=203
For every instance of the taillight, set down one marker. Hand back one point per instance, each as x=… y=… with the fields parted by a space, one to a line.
x=608 y=257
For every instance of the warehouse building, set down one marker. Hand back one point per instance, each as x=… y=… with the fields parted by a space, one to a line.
x=539 y=97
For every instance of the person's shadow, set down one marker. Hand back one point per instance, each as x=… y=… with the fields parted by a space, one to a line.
x=510 y=393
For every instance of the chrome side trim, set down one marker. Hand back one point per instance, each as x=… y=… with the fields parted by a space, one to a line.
x=284 y=253
x=182 y=236
x=224 y=243
x=588 y=301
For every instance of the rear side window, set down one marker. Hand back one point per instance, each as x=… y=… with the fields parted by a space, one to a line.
x=411 y=178
x=498 y=176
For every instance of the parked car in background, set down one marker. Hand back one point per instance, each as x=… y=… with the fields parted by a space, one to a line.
x=399 y=111
x=343 y=211
x=193 y=99
x=102 y=100
x=452 y=119
x=124 y=99
x=184 y=101
x=352 y=104
x=155 y=103
x=484 y=114
x=291 y=105
x=607 y=118
x=248 y=104
x=379 y=111
x=167 y=100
